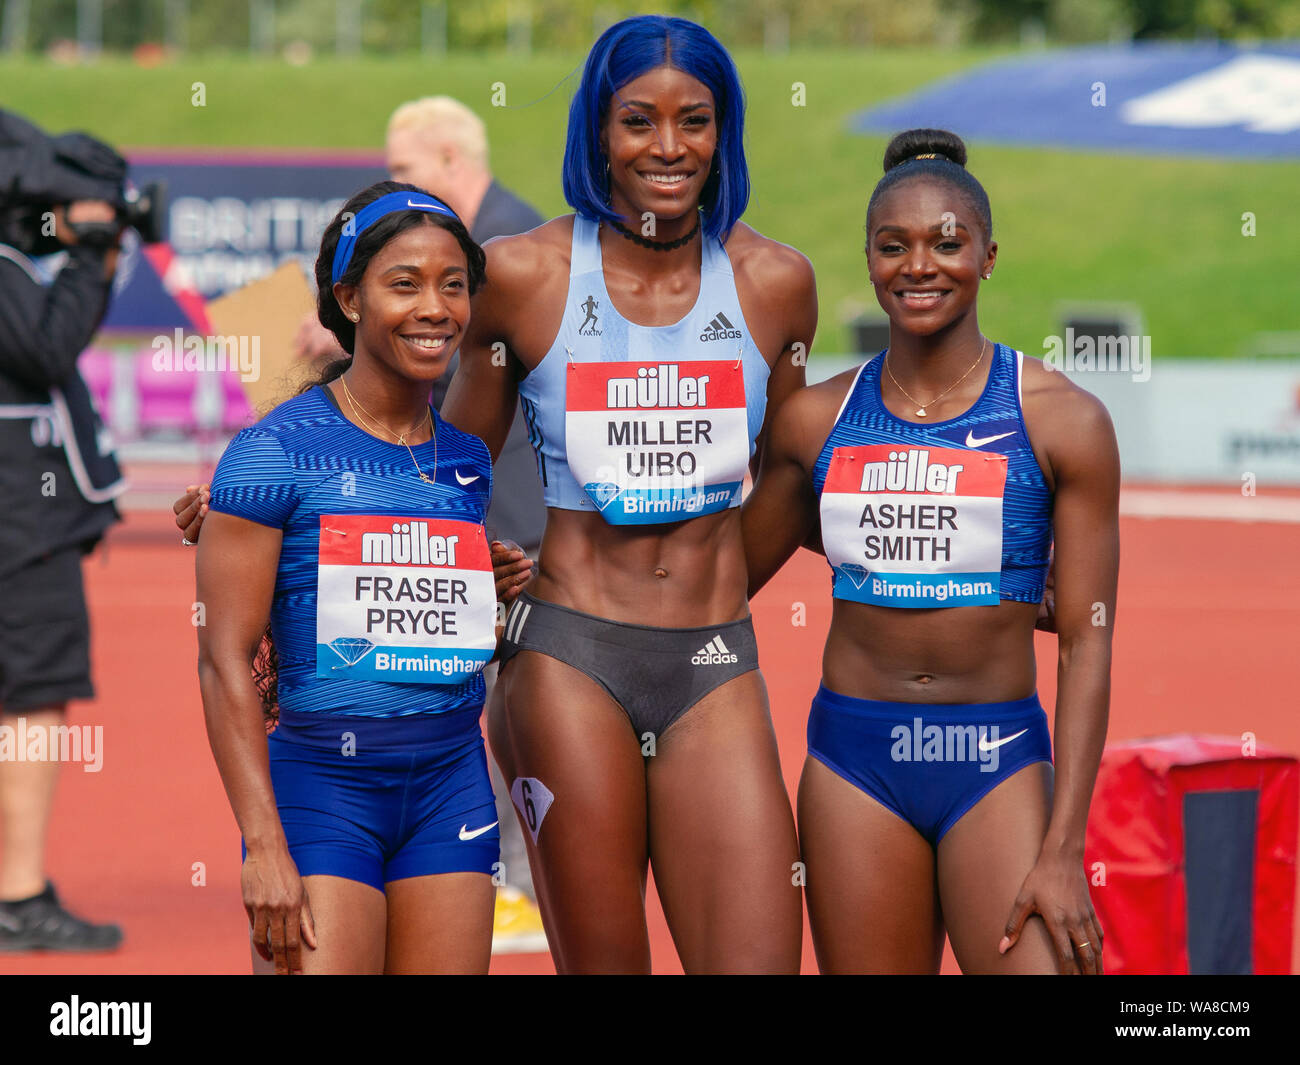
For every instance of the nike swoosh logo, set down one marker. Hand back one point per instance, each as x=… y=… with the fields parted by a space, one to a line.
x=466 y=480
x=984 y=744
x=979 y=441
x=477 y=832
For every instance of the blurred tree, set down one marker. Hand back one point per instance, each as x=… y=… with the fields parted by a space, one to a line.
x=128 y=23
x=571 y=25
x=1079 y=21
x=1003 y=19
x=53 y=20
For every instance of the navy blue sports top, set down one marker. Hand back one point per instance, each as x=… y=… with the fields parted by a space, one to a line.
x=384 y=602
x=952 y=513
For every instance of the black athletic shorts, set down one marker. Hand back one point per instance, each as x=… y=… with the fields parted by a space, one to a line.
x=44 y=634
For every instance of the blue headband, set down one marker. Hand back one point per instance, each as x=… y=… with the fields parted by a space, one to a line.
x=373 y=212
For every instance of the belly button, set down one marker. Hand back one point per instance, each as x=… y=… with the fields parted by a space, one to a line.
x=661 y=573
x=924 y=678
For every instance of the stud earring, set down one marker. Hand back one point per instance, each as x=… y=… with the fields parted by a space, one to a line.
x=356 y=317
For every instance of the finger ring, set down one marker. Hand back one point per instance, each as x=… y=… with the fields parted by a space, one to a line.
x=1080 y=946
x=187 y=542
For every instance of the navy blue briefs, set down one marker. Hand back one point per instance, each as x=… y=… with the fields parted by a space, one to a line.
x=928 y=763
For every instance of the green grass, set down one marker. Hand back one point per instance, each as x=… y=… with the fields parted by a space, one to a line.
x=1158 y=231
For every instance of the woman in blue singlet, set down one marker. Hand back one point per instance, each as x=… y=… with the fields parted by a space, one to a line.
x=938 y=476
x=352 y=516
x=650 y=336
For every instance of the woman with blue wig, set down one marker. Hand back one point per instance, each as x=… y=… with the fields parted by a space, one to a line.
x=650 y=336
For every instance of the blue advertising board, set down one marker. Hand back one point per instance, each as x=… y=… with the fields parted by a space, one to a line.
x=231 y=219
x=1215 y=99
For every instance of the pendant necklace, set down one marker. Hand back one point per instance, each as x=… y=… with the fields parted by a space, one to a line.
x=357 y=409
x=920 y=408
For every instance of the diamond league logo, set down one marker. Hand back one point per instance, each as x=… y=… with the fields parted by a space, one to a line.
x=602 y=492
x=352 y=649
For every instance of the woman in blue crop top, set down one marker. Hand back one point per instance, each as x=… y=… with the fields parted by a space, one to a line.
x=937 y=477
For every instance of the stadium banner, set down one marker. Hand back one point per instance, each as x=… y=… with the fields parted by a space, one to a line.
x=1190 y=421
x=1207 y=98
x=232 y=218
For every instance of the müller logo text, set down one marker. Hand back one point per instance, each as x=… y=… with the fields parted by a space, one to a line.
x=657 y=386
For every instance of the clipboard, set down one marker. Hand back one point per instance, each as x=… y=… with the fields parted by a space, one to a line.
x=269 y=312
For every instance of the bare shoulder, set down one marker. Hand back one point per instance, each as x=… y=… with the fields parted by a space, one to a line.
x=518 y=262
x=1051 y=394
x=826 y=397
x=764 y=261
x=1069 y=427
x=805 y=419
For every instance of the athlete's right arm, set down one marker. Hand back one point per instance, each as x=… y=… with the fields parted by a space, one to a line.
x=780 y=513
x=484 y=393
x=235 y=575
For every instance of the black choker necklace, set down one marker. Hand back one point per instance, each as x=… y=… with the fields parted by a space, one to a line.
x=657 y=245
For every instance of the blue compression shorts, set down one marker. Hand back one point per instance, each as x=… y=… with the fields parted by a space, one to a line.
x=384 y=799
x=927 y=763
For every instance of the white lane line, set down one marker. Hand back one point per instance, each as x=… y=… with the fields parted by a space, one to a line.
x=1137 y=503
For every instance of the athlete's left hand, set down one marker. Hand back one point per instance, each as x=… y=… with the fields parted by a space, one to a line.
x=1057 y=890
x=511 y=568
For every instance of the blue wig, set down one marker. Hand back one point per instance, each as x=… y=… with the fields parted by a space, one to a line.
x=623 y=53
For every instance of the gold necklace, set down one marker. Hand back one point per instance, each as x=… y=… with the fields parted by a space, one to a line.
x=920 y=410
x=401 y=437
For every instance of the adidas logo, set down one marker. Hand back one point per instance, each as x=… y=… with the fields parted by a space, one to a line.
x=713 y=653
x=720 y=329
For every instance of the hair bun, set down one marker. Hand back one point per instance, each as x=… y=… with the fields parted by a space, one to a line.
x=914 y=142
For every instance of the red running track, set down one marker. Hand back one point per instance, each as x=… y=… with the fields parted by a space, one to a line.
x=1208 y=623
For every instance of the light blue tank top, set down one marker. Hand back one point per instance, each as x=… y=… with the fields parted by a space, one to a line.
x=645 y=424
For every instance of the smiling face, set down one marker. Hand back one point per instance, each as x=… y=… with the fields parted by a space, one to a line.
x=926 y=252
x=413 y=300
x=659 y=136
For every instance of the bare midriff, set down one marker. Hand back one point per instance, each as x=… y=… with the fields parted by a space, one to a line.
x=678 y=575
x=972 y=654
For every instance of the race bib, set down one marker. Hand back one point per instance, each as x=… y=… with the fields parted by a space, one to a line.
x=406 y=600
x=914 y=526
x=655 y=442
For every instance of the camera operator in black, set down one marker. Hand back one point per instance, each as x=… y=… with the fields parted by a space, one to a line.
x=57 y=484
